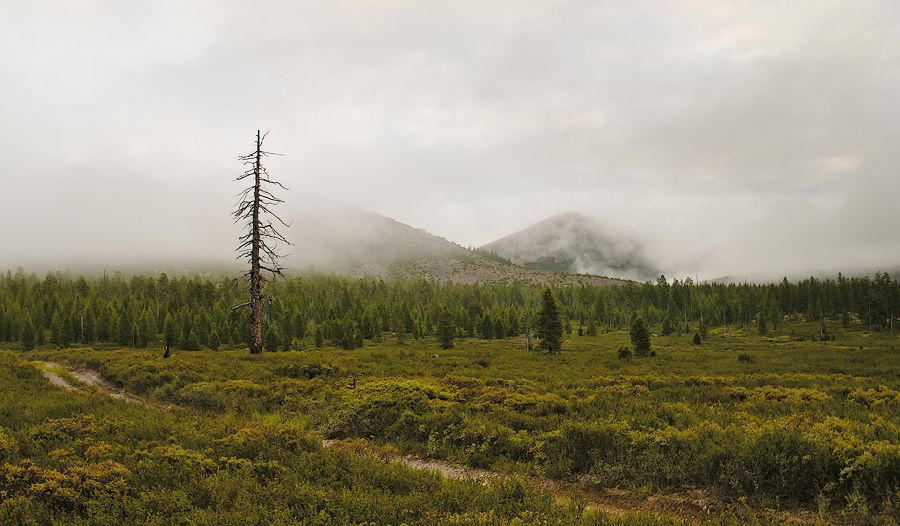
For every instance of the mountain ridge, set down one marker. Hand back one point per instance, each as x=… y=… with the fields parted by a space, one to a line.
x=362 y=243
x=98 y=216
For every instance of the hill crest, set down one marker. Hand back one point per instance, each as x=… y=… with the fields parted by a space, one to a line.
x=575 y=243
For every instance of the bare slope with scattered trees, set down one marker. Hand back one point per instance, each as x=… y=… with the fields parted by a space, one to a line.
x=349 y=240
x=575 y=243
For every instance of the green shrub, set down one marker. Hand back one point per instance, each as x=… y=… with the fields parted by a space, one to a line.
x=580 y=447
x=390 y=409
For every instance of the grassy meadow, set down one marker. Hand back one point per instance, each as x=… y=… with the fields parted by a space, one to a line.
x=757 y=422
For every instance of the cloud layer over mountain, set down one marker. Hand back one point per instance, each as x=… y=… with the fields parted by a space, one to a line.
x=730 y=137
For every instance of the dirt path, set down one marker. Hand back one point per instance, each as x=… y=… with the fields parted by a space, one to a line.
x=563 y=494
x=54 y=378
x=93 y=378
x=611 y=501
x=450 y=470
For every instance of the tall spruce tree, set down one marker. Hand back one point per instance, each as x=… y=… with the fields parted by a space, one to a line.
x=640 y=337
x=27 y=333
x=549 y=326
x=446 y=330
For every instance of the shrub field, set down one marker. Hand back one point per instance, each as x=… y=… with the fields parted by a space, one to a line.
x=801 y=417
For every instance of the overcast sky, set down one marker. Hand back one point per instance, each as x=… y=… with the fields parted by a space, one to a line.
x=736 y=137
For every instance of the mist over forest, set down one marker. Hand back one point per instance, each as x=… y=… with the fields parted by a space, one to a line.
x=100 y=216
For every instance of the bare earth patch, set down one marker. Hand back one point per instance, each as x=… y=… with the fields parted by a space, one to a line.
x=56 y=379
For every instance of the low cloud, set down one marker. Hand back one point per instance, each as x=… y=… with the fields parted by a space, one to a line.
x=729 y=137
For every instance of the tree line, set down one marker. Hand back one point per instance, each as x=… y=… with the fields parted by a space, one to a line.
x=190 y=313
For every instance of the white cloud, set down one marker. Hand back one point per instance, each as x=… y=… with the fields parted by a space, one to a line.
x=837 y=164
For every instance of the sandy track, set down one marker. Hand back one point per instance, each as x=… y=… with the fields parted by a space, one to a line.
x=56 y=379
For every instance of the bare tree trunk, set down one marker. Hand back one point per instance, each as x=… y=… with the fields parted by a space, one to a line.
x=255 y=271
x=255 y=201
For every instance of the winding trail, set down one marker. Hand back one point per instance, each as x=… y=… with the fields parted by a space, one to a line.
x=54 y=378
x=611 y=501
x=93 y=378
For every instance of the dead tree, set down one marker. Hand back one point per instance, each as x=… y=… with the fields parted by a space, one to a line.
x=259 y=245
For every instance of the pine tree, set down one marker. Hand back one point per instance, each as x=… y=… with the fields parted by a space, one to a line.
x=499 y=328
x=319 y=339
x=774 y=314
x=39 y=330
x=640 y=337
x=27 y=334
x=271 y=341
x=88 y=325
x=143 y=331
x=3 y=324
x=202 y=326
x=667 y=328
x=406 y=319
x=366 y=327
x=55 y=328
x=124 y=327
x=104 y=323
x=299 y=323
x=763 y=330
x=67 y=332
x=549 y=326
x=72 y=326
x=214 y=341
x=446 y=330
x=513 y=323
x=192 y=343
x=486 y=327
x=170 y=333
x=186 y=328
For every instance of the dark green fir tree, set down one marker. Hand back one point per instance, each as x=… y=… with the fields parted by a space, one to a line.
x=549 y=326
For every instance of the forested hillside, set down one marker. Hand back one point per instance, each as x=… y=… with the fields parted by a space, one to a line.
x=190 y=313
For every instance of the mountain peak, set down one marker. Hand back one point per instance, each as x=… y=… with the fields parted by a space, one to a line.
x=575 y=243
